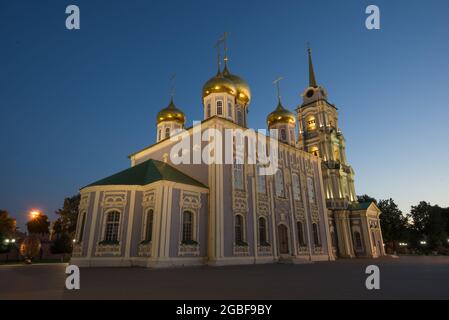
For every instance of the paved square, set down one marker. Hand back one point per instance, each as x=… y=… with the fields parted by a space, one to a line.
x=404 y=278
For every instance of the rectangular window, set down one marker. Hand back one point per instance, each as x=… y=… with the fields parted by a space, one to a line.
x=261 y=182
x=296 y=187
x=311 y=189
x=279 y=183
x=230 y=110
x=220 y=107
x=238 y=176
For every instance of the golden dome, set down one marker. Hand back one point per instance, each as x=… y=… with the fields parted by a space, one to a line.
x=219 y=84
x=243 y=90
x=171 y=113
x=281 y=115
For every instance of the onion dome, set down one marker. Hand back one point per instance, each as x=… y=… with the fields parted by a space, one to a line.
x=243 y=90
x=280 y=115
x=219 y=84
x=171 y=113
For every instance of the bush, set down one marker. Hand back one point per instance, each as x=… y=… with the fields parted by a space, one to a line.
x=62 y=244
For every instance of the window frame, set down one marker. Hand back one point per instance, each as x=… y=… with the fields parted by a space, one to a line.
x=301 y=234
x=117 y=224
x=192 y=226
x=263 y=232
x=242 y=232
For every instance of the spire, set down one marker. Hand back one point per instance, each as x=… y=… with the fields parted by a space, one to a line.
x=278 y=88
x=225 y=46
x=217 y=46
x=312 y=79
x=172 y=87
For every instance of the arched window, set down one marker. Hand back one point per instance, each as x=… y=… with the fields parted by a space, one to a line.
x=358 y=240
x=238 y=229
x=149 y=225
x=167 y=133
x=315 y=151
x=187 y=226
x=238 y=176
x=316 y=235
x=240 y=118
x=230 y=109
x=112 y=226
x=311 y=189
x=296 y=187
x=208 y=111
x=279 y=181
x=219 y=107
x=160 y=134
x=301 y=238
x=311 y=123
x=82 y=222
x=283 y=135
x=262 y=231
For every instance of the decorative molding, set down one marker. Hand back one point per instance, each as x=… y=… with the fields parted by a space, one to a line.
x=149 y=199
x=240 y=201
x=84 y=202
x=241 y=251
x=265 y=251
x=114 y=199
x=190 y=200
x=144 y=249
x=77 y=250
x=108 y=249
x=188 y=250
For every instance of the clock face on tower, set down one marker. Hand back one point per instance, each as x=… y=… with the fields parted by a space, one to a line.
x=310 y=93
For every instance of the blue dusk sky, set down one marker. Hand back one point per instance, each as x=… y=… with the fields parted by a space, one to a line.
x=75 y=104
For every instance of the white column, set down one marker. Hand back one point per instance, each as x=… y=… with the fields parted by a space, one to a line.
x=93 y=224
x=130 y=224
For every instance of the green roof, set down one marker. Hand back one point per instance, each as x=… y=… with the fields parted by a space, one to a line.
x=360 y=206
x=145 y=173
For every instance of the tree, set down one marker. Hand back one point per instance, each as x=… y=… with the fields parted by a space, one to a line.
x=428 y=223
x=38 y=225
x=393 y=223
x=366 y=198
x=7 y=228
x=64 y=228
x=68 y=216
x=62 y=244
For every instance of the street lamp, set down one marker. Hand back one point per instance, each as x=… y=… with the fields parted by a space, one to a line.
x=34 y=214
x=423 y=243
x=9 y=243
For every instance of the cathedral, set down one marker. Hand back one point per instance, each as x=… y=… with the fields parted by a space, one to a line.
x=161 y=214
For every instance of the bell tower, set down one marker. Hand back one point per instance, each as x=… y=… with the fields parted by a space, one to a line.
x=320 y=135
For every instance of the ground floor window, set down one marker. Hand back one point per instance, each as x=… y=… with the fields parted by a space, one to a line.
x=187 y=227
x=238 y=229
x=112 y=226
x=301 y=238
x=316 y=235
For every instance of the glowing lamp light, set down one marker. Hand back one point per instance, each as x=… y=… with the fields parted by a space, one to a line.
x=6 y=241
x=34 y=214
x=13 y=240
x=423 y=243
x=403 y=244
x=74 y=240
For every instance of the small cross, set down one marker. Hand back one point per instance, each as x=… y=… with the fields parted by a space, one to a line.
x=276 y=82
x=172 y=85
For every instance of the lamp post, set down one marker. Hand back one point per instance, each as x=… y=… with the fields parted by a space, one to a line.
x=9 y=243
